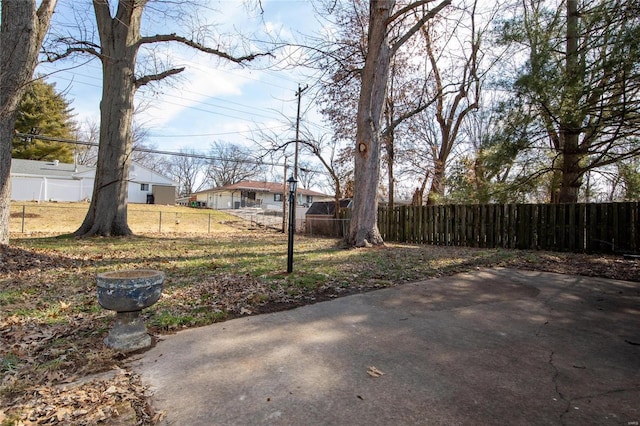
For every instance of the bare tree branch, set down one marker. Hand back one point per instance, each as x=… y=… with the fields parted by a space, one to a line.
x=52 y=56
x=427 y=16
x=405 y=116
x=411 y=6
x=157 y=77
x=179 y=39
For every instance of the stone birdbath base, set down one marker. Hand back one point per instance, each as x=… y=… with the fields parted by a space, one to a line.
x=128 y=293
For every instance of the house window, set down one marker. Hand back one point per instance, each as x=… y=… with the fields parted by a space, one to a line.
x=309 y=199
x=144 y=187
x=277 y=197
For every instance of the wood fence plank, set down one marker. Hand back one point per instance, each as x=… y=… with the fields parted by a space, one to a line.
x=522 y=225
x=571 y=228
x=494 y=229
x=635 y=227
x=561 y=217
x=616 y=235
x=592 y=229
x=543 y=225
x=581 y=228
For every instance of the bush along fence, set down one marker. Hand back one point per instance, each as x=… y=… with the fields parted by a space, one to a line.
x=592 y=228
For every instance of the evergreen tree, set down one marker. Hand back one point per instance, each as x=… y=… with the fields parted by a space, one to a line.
x=629 y=172
x=44 y=111
x=582 y=80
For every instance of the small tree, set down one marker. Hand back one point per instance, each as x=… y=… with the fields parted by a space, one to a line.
x=43 y=110
x=230 y=164
x=335 y=161
x=188 y=171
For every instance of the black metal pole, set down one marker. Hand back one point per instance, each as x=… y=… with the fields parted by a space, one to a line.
x=292 y=229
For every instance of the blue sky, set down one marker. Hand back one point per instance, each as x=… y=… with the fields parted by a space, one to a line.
x=211 y=100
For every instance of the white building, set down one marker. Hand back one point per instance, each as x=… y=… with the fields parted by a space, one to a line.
x=54 y=181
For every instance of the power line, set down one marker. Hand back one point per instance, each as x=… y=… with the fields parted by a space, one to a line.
x=252 y=111
x=152 y=134
x=212 y=101
x=161 y=152
x=196 y=108
x=252 y=108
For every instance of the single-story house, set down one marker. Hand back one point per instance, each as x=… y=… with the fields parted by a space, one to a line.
x=33 y=180
x=247 y=194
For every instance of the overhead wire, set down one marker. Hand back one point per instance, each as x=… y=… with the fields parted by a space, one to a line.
x=162 y=152
x=252 y=107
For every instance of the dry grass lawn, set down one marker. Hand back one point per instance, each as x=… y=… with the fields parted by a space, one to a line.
x=59 y=218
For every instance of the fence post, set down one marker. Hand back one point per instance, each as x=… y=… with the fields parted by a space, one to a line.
x=209 y=225
x=23 y=215
x=160 y=224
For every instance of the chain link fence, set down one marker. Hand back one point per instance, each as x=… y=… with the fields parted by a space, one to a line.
x=63 y=219
x=53 y=218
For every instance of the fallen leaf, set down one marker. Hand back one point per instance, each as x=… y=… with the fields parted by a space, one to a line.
x=374 y=372
x=62 y=414
x=158 y=416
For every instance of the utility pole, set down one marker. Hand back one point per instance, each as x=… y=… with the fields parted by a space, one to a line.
x=295 y=159
x=284 y=198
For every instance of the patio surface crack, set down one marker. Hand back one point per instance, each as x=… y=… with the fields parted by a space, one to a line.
x=554 y=380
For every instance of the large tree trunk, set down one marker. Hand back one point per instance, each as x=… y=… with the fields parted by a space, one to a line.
x=21 y=34
x=437 y=183
x=119 y=37
x=363 y=230
x=571 y=171
x=571 y=117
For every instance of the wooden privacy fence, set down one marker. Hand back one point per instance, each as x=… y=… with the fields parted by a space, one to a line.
x=601 y=227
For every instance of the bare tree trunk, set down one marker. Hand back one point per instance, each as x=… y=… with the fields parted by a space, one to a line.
x=389 y=139
x=363 y=230
x=418 y=194
x=119 y=37
x=437 y=182
x=22 y=30
x=390 y=146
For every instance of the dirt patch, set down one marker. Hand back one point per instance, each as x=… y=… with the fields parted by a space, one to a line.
x=18 y=215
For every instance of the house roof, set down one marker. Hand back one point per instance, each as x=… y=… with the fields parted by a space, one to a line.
x=56 y=169
x=46 y=168
x=259 y=186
